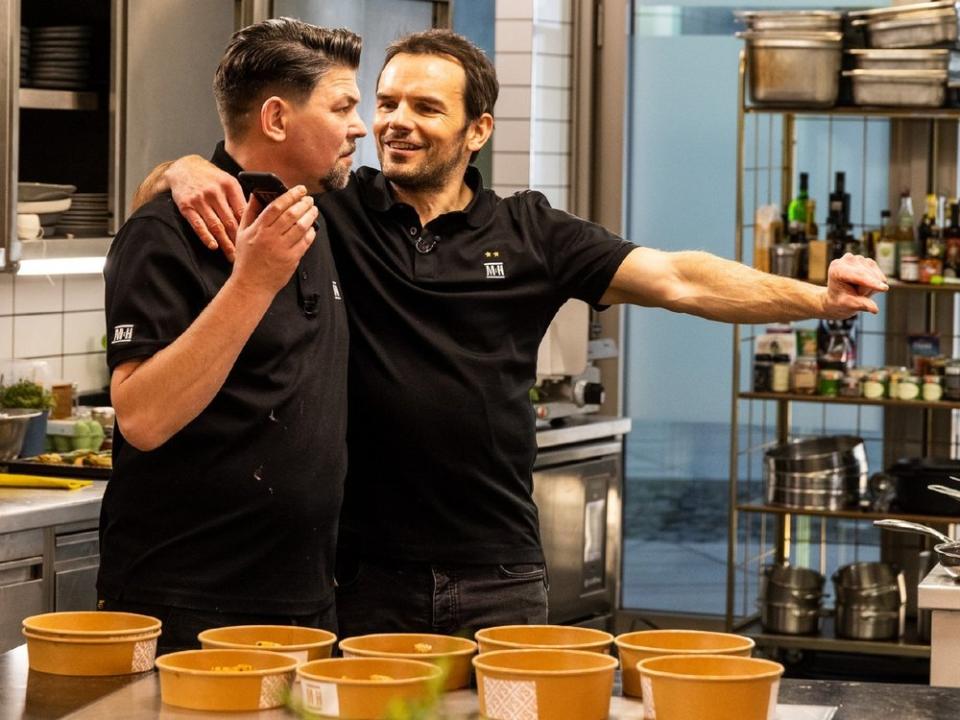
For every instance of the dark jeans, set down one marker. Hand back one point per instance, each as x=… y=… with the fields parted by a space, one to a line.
x=383 y=596
x=182 y=625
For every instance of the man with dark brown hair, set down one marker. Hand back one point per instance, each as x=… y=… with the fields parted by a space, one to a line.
x=229 y=381
x=439 y=530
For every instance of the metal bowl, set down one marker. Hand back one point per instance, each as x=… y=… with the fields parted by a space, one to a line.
x=829 y=452
x=13 y=426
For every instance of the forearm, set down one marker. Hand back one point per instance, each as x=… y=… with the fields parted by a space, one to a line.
x=167 y=391
x=719 y=289
x=154 y=184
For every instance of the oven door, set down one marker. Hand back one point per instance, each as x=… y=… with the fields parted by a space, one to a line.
x=577 y=491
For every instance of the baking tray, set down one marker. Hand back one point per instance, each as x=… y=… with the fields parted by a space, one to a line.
x=31 y=467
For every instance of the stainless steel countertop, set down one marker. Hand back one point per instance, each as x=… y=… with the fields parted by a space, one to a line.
x=26 y=695
x=27 y=508
x=582 y=428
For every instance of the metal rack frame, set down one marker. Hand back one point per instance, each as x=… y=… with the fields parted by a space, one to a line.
x=781 y=519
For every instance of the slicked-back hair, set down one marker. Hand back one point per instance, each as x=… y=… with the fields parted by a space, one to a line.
x=482 y=87
x=281 y=56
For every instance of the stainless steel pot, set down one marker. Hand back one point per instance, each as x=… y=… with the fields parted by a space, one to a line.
x=789 y=619
x=859 y=622
x=884 y=597
x=826 y=473
x=790 y=68
x=867 y=575
x=828 y=452
x=912 y=59
x=782 y=584
x=809 y=499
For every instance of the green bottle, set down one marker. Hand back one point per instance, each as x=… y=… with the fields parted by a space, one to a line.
x=797 y=213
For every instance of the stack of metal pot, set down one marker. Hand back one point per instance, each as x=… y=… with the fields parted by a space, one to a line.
x=907 y=60
x=794 y=56
x=791 y=599
x=871 y=601
x=824 y=473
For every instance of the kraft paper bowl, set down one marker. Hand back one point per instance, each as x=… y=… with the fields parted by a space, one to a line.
x=104 y=655
x=451 y=654
x=91 y=624
x=559 y=637
x=636 y=646
x=363 y=688
x=188 y=679
x=544 y=684
x=709 y=687
x=301 y=643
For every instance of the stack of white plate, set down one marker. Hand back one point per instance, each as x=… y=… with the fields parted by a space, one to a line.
x=88 y=216
x=60 y=57
x=48 y=200
x=24 y=55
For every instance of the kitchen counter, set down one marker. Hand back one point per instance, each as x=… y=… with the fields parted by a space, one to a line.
x=581 y=428
x=26 y=695
x=940 y=593
x=27 y=508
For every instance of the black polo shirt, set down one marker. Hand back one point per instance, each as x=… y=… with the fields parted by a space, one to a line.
x=443 y=355
x=238 y=511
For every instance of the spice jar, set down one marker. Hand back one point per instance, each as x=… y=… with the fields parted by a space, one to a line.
x=804 y=380
x=893 y=386
x=807 y=342
x=762 y=372
x=875 y=383
x=780 y=376
x=909 y=388
x=951 y=380
x=932 y=389
x=829 y=385
x=910 y=268
x=929 y=268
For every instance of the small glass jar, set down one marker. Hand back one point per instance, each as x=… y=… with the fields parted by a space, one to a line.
x=932 y=389
x=951 y=380
x=929 y=268
x=852 y=383
x=893 y=385
x=780 y=376
x=762 y=372
x=804 y=380
x=909 y=388
x=910 y=268
x=829 y=385
x=875 y=384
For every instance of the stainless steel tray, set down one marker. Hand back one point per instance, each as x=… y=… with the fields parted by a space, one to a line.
x=795 y=20
x=794 y=68
x=898 y=88
x=909 y=59
x=909 y=26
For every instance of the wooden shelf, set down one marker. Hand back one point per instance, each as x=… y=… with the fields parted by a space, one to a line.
x=886 y=402
x=826 y=640
x=37 y=99
x=864 y=515
x=897 y=113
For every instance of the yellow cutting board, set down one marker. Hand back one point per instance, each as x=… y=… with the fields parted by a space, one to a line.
x=41 y=481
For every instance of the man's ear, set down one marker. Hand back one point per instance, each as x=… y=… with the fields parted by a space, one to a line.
x=479 y=132
x=274 y=116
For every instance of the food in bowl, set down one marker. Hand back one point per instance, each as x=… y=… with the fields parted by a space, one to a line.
x=636 y=646
x=550 y=684
x=225 y=679
x=363 y=688
x=450 y=653
x=515 y=637
x=709 y=687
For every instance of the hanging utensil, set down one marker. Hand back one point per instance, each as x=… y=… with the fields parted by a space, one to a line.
x=947 y=550
x=944 y=490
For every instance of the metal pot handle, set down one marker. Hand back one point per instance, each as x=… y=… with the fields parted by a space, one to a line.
x=944 y=490
x=911 y=527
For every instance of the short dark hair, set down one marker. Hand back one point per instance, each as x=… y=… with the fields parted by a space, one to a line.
x=281 y=55
x=482 y=87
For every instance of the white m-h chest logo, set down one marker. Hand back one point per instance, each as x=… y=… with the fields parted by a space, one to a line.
x=494 y=270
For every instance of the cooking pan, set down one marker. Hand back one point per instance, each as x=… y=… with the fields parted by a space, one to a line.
x=947 y=550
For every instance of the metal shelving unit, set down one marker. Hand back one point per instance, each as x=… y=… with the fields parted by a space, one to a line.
x=36 y=99
x=776 y=410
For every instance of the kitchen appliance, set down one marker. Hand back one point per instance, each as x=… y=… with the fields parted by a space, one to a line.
x=568 y=384
x=577 y=486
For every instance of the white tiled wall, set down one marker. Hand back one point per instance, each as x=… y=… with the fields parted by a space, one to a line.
x=531 y=145
x=58 y=320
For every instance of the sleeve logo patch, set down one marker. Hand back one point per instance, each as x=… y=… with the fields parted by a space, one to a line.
x=122 y=334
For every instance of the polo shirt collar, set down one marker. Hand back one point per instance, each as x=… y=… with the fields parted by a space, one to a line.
x=224 y=160
x=377 y=195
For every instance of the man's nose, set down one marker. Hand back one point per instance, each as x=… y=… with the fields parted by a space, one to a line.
x=400 y=117
x=358 y=128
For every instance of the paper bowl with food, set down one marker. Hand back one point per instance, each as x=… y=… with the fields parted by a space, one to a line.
x=558 y=637
x=451 y=654
x=301 y=643
x=365 y=688
x=225 y=679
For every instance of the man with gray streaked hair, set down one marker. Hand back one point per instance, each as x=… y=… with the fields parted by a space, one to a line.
x=229 y=380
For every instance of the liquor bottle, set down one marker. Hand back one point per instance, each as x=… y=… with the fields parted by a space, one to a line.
x=886 y=249
x=928 y=232
x=935 y=245
x=811 y=231
x=951 y=264
x=797 y=213
x=906 y=239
